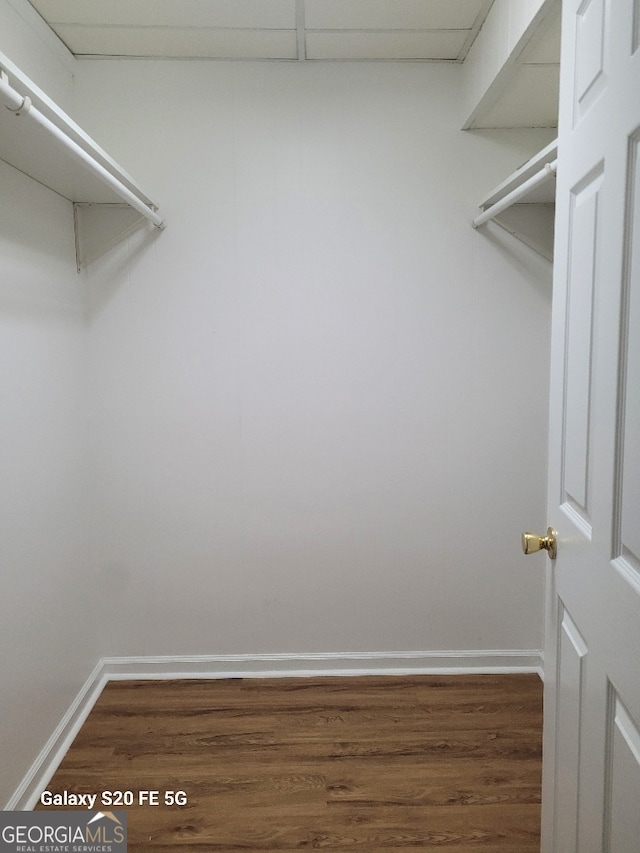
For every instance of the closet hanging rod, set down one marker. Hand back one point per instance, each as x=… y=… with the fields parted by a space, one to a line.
x=22 y=107
x=511 y=198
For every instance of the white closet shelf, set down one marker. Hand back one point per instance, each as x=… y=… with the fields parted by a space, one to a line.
x=42 y=141
x=524 y=203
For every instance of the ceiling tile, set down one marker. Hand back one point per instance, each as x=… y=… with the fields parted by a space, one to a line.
x=267 y=29
x=183 y=42
x=250 y=14
x=392 y=14
x=384 y=45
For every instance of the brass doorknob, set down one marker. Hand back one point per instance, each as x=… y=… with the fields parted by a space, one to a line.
x=531 y=543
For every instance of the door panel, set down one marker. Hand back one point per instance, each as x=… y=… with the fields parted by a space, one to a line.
x=591 y=774
x=622 y=815
x=579 y=348
x=589 y=63
x=572 y=653
x=627 y=524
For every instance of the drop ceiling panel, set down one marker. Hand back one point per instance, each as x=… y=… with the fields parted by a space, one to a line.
x=249 y=14
x=192 y=42
x=392 y=14
x=385 y=45
x=267 y=29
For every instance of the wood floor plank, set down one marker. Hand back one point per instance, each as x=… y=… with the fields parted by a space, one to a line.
x=372 y=763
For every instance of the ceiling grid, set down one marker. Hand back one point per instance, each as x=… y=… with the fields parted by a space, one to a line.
x=413 y=30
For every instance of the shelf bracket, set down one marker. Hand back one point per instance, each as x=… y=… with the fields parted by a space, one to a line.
x=99 y=227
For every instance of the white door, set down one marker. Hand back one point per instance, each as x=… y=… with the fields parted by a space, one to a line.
x=591 y=785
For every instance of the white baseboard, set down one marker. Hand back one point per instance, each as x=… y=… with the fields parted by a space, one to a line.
x=257 y=666
x=324 y=664
x=26 y=795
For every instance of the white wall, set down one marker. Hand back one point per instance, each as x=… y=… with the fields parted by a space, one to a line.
x=309 y=402
x=46 y=627
x=47 y=635
x=318 y=399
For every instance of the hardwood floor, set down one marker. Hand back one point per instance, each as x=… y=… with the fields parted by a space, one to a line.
x=373 y=764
